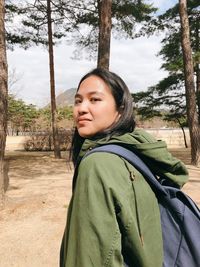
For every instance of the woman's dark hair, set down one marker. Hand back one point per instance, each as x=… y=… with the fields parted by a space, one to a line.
x=124 y=104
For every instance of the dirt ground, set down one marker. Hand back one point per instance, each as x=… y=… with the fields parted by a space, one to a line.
x=33 y=220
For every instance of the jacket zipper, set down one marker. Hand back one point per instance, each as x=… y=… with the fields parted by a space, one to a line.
x=132 y=178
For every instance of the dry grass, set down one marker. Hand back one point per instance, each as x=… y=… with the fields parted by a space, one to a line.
x=36 y=205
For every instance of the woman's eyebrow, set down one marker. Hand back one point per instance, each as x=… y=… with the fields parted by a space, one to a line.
x=77 y=95
x=90 y=93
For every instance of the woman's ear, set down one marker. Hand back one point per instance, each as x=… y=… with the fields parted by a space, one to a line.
x=121 y=108
x=119 y=113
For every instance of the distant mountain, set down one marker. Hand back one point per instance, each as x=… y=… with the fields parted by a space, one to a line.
x=66 y=98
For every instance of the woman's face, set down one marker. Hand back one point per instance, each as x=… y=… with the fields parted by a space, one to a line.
x=94 y=109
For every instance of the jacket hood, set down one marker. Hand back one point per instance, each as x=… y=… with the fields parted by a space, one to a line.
x=153 y=152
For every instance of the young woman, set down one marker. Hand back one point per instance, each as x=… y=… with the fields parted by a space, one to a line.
x=113 y=216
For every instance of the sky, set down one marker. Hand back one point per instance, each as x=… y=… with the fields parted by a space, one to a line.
x=136 y=61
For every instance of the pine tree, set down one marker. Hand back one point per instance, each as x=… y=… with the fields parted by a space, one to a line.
x=3 y=100
x=192 y=114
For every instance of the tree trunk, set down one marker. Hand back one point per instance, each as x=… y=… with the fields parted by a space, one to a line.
x=184 y=136
x=105 y=25
x=197 y=69
x=3 y=100
x=189 y=84
x=52 y=85
x=198 y=89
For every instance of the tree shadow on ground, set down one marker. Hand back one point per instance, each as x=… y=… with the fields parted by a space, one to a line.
x=33 y=165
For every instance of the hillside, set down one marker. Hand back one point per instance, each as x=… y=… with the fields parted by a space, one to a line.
x=66 y=98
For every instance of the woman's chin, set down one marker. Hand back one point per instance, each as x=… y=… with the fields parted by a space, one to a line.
x=85 y=134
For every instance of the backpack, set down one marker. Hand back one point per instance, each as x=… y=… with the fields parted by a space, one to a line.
x=180 y=217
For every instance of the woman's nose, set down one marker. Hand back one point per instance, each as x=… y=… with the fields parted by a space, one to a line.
x=83 y=107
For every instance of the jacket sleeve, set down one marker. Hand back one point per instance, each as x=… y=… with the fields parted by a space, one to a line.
x=92 y=235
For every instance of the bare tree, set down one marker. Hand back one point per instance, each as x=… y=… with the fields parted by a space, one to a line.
x=3 y=99
x=105 y=25
x=14 y=78
x=191 y=100
x=52 y=84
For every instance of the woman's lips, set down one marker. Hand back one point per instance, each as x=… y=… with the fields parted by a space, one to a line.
x=83 y=120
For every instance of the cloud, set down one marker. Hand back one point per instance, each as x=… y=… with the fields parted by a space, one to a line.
x=134 y=60
x=163 y=5
x=34 y=65
x=137 y=63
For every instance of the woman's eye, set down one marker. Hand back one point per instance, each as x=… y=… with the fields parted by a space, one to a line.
x=77 y=101
x=94 y=99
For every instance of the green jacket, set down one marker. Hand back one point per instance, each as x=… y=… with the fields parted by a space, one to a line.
x=114 y=209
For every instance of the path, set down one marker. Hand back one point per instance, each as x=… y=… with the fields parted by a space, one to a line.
x=33 y=221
